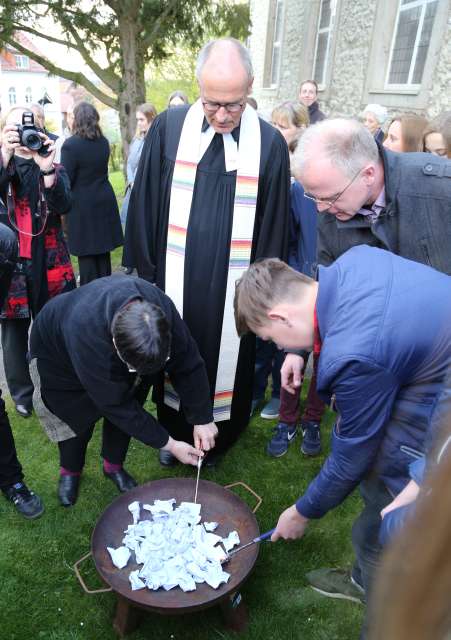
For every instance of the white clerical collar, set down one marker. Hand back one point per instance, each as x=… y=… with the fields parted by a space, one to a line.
x=230 y=147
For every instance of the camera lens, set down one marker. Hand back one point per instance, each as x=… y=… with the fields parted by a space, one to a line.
x=31 y=140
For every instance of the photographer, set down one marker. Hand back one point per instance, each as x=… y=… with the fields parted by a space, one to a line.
x=35 y=192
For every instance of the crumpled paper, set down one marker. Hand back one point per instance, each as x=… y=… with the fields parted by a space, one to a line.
x=174 y=548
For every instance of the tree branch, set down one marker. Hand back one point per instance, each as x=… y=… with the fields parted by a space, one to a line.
x=147 y=41
x=106 y=75
x=77 y=77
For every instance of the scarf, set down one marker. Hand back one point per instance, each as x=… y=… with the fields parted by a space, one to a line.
x=248 y=163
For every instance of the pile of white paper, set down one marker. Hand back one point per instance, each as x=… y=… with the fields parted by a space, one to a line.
x=174 y=548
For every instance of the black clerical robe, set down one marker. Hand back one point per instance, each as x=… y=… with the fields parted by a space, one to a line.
x=83 y=378
x=207 y=246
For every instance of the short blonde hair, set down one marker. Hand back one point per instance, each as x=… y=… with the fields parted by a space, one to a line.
x=265 y=284
x=295 y=114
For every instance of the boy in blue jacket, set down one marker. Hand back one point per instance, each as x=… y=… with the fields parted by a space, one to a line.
x=382 y=327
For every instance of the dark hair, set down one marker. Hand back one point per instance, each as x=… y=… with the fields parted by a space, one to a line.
x=252 y=102
x=142 y=336
x=86 y=121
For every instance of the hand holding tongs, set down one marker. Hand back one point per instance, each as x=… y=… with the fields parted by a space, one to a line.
x=261 y=538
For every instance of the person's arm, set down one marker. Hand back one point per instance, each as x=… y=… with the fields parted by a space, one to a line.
x=273 y=204
x=58 y=195
x=145 y=211
x=364 y=396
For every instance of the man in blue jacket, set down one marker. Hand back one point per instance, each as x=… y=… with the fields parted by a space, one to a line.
x=382 y=327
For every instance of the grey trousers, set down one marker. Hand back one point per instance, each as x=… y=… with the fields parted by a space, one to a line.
x=15 y=349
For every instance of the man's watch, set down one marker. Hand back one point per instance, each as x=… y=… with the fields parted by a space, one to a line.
x=49 y=172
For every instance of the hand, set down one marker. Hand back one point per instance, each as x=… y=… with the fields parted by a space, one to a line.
x=183 y=451
x=290 y=373
x=407 y=495
x=10 y=142
x=291 y=525
x=45 y=162
x=204 y=436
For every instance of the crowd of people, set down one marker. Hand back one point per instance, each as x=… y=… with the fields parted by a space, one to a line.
x=250 y=249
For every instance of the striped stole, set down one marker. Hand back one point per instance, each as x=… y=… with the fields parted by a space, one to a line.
x=188 y=157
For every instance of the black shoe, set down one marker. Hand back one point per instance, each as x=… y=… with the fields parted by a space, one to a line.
x=166 y=458
x=128 y=271
x=68 y=490
x=123 y=480
x=23 y=411
x=27 y=503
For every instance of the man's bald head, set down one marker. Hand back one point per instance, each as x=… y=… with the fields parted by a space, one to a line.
x=337 y=162
x=226 y=57
x=346 y=143
x=224 y=74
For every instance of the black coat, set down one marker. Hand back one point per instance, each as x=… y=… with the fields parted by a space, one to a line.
x=94 y=226
x=416 y=222
x=83 y=378
x=315 y=114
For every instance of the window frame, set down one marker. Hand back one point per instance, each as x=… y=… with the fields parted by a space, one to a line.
x=12 y=93
x=408 y=86
x=22 y=61
x=329 y=30
x=276 y=44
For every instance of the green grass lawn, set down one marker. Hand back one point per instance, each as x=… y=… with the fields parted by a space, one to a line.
x=40 y=595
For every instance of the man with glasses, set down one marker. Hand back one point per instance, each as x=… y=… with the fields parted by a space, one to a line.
x=366 y=194
x=210 y=196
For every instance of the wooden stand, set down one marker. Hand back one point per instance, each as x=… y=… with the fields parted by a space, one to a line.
x=127 y=618
x=234 y=612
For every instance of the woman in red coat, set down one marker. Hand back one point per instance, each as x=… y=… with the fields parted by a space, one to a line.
x=34 y=193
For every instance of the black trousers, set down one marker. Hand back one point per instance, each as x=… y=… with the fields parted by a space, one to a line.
x=15 y=349
x=114 y=447
x=93 y=267
x=115 y=442
x=10 y=468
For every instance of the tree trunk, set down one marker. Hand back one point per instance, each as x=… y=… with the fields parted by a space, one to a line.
x=132 y=91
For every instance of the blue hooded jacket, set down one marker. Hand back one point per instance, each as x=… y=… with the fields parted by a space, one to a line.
x=385 y=325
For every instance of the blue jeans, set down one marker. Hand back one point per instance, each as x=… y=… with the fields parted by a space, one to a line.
x=268 y=360
x=365 y=535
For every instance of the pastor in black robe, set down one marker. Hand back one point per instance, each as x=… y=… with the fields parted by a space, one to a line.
x=207 y=245
x=82 y=376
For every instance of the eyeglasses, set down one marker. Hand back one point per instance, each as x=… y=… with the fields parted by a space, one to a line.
x=231 y=107
x=330 y=203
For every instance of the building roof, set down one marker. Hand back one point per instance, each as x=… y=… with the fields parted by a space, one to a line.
x=8 y=61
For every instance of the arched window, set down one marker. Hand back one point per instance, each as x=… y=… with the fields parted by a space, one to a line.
x=12 y=95
x=28 y=96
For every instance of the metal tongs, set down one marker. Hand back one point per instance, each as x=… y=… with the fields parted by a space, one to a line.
x=264 y=536
x=199 y=464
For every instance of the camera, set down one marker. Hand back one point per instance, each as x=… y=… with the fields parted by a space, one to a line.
x=29 y=134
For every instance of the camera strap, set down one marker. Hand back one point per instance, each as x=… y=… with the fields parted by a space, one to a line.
x=41 y=212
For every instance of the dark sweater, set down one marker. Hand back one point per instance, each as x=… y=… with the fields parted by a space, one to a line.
x=83 y=378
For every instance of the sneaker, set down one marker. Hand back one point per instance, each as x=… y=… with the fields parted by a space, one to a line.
x=311 y=441
x=336 y=583
x=283 y=435
x=26 y=502
x=271 y=410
